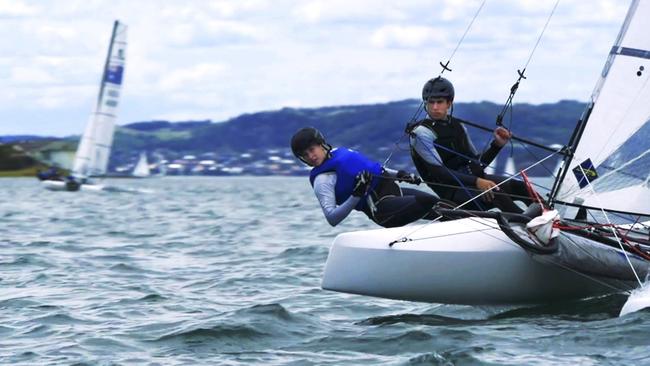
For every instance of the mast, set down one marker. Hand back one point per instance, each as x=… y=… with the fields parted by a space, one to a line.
x=573 y=144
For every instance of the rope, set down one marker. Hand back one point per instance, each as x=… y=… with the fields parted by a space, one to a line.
x=445 y=66
x=405 y=238
x=445 y=185
x=531 y=191
x=613 y=230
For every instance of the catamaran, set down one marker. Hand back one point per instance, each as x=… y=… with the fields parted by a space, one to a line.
x=91 y=158
x=595 y=242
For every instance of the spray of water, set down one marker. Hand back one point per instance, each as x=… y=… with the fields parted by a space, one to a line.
x=639 y=299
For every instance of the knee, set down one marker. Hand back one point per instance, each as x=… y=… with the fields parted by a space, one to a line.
x=426 y=200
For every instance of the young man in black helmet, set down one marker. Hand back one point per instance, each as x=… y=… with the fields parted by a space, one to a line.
x=447 y=160
x=345 y=180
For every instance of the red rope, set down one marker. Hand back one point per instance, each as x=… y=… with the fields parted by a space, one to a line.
x=531 y=191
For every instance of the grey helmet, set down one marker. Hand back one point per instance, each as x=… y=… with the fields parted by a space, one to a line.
x=305 y=138
x=438 y=88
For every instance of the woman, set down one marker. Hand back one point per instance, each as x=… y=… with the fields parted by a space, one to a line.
x=345 y=180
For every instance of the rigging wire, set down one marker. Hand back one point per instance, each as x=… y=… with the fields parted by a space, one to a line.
x=405 y=237
x=614 y=231
x=445 y=67
x=521 y=73
x=555 y=192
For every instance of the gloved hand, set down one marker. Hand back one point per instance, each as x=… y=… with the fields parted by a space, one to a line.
x=361 y=183
x=403 y=176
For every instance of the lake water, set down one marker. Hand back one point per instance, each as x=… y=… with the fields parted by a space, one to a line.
x=226 y=271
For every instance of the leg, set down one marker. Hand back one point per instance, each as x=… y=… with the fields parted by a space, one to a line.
x=394 y=211
x=461 y=196
x=513 y=187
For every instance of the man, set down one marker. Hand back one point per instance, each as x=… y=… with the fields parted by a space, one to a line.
x=345 y=180
x=447 y=160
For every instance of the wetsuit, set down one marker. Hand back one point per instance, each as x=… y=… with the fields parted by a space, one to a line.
x=445 y=157
x=386 y=203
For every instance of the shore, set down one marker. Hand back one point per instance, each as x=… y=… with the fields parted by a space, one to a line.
x=26 y=172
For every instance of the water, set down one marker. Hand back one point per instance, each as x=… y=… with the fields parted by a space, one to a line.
x=208 y=271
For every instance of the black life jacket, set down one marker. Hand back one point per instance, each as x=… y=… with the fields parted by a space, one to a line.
x=454 y=148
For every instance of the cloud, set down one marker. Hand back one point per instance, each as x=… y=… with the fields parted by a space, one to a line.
x=321 y=11
x=31 y=75
x=196 y=77
x=16 y=8
x=407 y=36
x=222 y=58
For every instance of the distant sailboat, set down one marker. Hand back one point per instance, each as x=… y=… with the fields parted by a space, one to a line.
x=141 y=169
x=510 y=168
x=489 y=170
x=91 y=158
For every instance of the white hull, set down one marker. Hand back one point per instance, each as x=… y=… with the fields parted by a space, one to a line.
x=467 y=261
x=58 y=185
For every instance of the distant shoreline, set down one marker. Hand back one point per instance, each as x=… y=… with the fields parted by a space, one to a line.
x=27 y=172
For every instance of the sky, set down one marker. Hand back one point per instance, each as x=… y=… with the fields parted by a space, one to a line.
x=202 y=59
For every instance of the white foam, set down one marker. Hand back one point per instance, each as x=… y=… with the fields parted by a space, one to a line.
x=639 y=299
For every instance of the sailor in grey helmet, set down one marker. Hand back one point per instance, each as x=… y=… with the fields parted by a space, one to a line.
x=448 y=161
x=346 y=180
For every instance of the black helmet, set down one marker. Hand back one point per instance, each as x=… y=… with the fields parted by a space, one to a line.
x=438 y=88
x=306 y=137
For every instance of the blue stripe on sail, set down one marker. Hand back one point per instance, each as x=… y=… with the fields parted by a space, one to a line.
x=632 y=52
x=114 y=74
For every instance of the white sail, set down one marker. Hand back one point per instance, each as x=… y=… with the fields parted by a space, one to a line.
x=510 y=169
x=141 y=169
x=490 y=169
x=94 y=148
x=614 y=147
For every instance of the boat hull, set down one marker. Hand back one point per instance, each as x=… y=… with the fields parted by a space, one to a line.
x=58 y=185
x=466 y=261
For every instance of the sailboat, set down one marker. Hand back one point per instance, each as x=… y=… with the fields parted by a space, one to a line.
x=510 y=169
x=598 y=241
x=91 y=157
x=141 y=169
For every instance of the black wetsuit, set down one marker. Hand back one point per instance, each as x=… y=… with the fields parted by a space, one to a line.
x=456 y=180
x=397 y=206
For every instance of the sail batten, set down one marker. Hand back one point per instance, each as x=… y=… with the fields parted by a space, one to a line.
x=611 y=163
x=632 y=52
x=94 y=147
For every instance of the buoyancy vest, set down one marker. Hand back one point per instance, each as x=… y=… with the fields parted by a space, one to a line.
x=347 y=164
x=452 y=143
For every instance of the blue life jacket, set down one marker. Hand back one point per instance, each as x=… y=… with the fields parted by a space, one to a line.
x=347 y=164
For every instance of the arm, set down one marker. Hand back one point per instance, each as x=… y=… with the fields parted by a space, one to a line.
x=501 y=138
x=324 y=189
x=422 y=142
x=486 y=157
x=490 y=153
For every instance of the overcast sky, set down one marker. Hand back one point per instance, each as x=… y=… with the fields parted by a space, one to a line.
x=200 y=59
